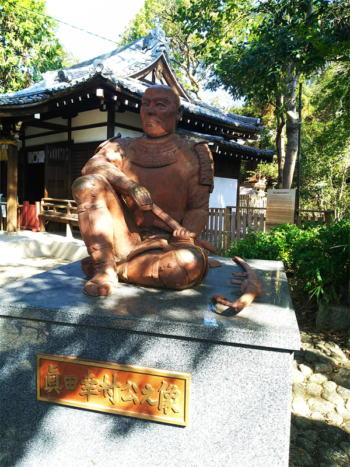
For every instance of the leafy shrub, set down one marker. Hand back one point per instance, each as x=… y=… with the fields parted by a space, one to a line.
x=319 y=255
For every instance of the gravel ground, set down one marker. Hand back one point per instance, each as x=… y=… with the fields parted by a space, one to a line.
x=320 y=428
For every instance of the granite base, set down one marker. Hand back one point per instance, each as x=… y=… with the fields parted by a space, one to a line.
x=241 y=370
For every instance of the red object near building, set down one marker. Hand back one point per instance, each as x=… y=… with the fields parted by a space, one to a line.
x=29 y=216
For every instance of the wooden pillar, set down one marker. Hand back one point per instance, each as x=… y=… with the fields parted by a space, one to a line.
x=69 y=132
x=46 y=168
x=227 y=228
x=12 y=179
x=111 y=120
x=25 y=163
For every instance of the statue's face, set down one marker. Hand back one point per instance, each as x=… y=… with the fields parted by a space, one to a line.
x=160 y=112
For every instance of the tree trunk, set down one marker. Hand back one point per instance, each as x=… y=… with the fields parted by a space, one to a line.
x=292 y=126
x=292 y=129
x=279 y=140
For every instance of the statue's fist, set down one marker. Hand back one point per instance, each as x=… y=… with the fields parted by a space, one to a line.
x=184 y=235
x=141 y=196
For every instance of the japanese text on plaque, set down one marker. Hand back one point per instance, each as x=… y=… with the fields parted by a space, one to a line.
x=127 y=390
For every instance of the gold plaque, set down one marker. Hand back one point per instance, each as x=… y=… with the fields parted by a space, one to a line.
x=133 y=391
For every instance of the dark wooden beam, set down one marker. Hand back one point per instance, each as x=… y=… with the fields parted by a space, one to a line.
x=82 y=127
x=87 y=127
x=46 y=125
x=47 y=133
x=25 y=162
x=69 y=130
x=110 y=120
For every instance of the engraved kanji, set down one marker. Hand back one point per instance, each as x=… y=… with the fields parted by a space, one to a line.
x=70 y=382
x=129 y=396
x=110 y=389
x=148 y=392
x=168 y=398
x=52 y=380
x=89 y=386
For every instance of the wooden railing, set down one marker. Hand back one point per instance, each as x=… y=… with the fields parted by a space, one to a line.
x=59 y=210
x=227 y=225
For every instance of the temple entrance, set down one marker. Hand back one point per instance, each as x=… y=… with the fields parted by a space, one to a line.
x=35 y=182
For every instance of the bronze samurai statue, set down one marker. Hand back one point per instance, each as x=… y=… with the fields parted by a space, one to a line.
x=116 y=199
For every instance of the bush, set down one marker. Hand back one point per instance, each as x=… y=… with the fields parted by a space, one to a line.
x=318 y=255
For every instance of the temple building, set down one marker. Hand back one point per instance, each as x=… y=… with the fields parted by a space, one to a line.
x=59 y=121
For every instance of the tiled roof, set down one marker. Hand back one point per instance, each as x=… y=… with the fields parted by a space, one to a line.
x=220 y=145
x=118 y=67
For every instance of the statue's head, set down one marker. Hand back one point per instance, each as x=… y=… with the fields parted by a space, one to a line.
x=160 y=111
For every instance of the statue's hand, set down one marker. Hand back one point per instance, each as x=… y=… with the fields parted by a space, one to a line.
x=184 y=235
x=141 y=196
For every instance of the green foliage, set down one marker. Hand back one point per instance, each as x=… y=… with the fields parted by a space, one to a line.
x=325 y=153
x=28 y=45
x=271 y=41
x=265 y=170
x=266 y=112
x=188 y=63
x=266 y=49
x=318 y=255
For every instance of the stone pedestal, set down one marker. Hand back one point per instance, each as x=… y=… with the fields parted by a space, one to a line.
x=241 y=367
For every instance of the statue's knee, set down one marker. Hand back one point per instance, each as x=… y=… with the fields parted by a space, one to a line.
x=88 y=188
x=183 y=268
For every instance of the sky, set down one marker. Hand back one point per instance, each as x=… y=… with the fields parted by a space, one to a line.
x=107 y=18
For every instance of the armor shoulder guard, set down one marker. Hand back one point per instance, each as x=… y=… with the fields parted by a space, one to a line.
x=116 y=141
x=206 y=163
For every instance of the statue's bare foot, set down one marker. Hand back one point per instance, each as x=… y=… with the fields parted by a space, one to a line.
x=103 y=283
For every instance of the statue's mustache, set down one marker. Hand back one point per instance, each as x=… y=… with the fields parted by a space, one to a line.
x=152 y=120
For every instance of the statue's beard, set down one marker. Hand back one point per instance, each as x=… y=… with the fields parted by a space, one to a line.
x=154 y=129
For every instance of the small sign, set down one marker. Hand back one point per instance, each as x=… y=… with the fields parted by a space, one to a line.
x=280 y=207
x=36 y=157
x=133 y=391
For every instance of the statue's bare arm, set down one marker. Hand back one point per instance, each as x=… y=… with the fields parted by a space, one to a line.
x=107 y=162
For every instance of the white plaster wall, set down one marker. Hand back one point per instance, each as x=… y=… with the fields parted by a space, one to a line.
x=127 y=133
x=60 y=137
x=129 y=118
x=224 y=193
x=34 y=131
x=92 y=134
x=89 y=117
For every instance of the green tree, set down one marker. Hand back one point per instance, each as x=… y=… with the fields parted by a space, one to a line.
x=28 y=45
x=189 y=64
x=265 y=51
x=325 y=151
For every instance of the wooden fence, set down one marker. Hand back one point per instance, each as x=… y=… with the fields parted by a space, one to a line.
x=227 y=225
x=246 y=202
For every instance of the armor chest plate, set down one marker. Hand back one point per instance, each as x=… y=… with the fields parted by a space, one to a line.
x=164 y=177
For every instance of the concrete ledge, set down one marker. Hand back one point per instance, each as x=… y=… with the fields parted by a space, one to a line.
x=34 y=244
